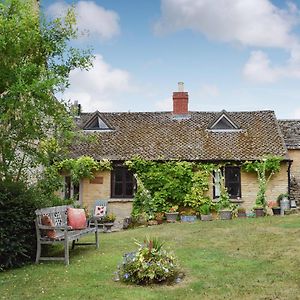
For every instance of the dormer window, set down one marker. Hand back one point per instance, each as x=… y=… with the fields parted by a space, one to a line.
x=95 y=123
x=223 y=123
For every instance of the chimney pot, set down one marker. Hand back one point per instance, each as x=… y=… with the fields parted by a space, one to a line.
x=180 y=87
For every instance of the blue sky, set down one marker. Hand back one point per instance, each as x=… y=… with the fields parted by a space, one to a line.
x=231 y=54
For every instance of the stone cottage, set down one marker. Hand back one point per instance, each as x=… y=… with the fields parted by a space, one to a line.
x=181 y=134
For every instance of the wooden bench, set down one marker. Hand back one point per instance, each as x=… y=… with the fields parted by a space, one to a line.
x=64 y=233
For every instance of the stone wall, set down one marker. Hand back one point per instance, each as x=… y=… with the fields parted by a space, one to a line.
x=249 y=187
x=100 y=188
x=277 y=185
x=295 y=175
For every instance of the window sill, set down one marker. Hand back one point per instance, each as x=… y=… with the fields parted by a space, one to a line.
x=231 y=200
x=113 y=200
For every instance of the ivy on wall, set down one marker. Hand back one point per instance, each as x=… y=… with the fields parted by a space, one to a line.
x=82 y=167
x=165 y=184
x=265 y=169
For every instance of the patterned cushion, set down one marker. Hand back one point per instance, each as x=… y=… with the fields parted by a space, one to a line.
x=76 y=218
x=100 y=211
x=46 y=220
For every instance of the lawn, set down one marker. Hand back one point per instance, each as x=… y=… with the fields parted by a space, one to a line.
x=238 y=259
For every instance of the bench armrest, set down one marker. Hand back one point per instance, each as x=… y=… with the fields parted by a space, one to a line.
x=55 y=227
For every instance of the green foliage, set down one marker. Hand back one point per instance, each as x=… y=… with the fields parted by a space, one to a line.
x=149 y=264
x=200 y=186
x=83 y=167
x=36 y=57
x=17 y=229
x=205 y=209
x=162 y=185
x=109 y=218
x=167 y=182
x=264 y=169
x=51 y=180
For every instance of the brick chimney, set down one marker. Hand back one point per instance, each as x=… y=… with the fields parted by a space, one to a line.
x=180 y=101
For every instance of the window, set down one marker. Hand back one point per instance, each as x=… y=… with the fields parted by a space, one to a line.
x=232 y=182
x=71 y=190
x=122 y=183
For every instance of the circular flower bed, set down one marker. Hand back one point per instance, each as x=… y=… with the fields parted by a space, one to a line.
x=149 y=264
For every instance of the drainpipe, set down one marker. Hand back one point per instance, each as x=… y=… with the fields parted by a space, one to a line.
x=289 y=177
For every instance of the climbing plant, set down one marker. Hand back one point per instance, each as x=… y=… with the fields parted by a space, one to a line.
x=51 y=180
x=169 y=183
x=265 y=169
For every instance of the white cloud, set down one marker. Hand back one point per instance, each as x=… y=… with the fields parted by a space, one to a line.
x=99 y=88
x=249 y=22
x=98 y=21
x=259 y=68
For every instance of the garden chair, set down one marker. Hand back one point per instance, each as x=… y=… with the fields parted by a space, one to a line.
x=99 y=210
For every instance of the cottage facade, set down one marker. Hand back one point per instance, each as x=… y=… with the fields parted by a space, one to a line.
x=233 y=137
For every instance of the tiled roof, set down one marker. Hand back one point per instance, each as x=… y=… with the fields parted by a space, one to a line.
x=159 y=136
x=291 y=133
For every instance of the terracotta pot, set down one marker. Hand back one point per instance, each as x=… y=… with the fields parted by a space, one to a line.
x=259 y=212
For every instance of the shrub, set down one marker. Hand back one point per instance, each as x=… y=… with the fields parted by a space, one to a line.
x=149 y=264
x=17 y=230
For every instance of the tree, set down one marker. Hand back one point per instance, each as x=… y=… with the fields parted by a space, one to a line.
x=36 y=57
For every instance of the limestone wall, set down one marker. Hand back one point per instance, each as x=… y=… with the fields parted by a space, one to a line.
x=100 y=188
x=295 y=175
x=249 y=187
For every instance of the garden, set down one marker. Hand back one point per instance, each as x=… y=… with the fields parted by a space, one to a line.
x=253 y=258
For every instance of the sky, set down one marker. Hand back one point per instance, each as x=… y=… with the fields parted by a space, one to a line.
x=237 y=55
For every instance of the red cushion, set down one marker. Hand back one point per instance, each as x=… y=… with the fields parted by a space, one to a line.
x=46 y=220
x=76 y=218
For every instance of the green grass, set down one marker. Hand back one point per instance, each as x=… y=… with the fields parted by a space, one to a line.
x=238 y=259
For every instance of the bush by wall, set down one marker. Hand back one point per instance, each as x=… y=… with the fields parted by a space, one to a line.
x=17 y=229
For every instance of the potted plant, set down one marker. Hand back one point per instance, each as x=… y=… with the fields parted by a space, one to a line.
x=275 y=207
x=159 y=217
x=108 y=222
x=205 y=214
x=188 y=215
x=172 y=214
x=241 y=212
x=224 y=205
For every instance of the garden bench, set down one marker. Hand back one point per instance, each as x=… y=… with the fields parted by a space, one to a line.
x=63 y=233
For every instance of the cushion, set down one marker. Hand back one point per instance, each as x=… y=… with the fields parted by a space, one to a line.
x=51 y=233
x=76 y=218
x=100 y=211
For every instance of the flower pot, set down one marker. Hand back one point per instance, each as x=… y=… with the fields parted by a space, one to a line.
x=225 y=214
x=206 y=217
x=171 y=217
x=107 y=227
x=276 y=211
x=259 y=212
x=242 y=214
x=190 y=218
